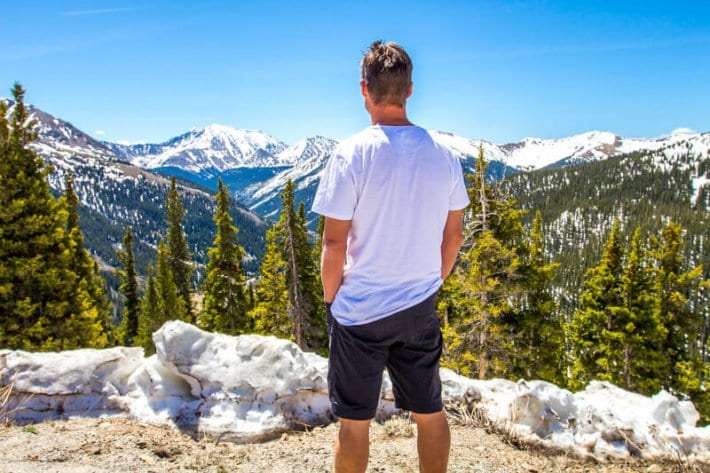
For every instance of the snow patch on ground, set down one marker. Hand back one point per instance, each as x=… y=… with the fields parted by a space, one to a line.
x=251 y=388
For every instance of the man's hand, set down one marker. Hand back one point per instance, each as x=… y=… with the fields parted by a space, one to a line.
x=452 y=241
x=335 y=243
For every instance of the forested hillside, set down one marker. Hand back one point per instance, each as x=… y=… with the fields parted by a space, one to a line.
x=646 y=189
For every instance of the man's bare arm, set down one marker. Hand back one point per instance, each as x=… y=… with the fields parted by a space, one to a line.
x=335 y=242
x=452 y=241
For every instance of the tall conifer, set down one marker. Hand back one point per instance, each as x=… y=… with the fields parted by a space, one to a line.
x=225 y=302
x=595 y=349
x=43 y=303
x=129 y=290
x=539 y=341
x=178 y=254
x=639 y=330
x=677 y=285
x=289 y=269
x=477 y=297
x=82 y=264
x=149 y=317
x=171 y=305
x=270 y=315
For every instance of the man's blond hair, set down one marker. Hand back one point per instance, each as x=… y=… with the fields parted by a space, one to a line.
x=387 y=72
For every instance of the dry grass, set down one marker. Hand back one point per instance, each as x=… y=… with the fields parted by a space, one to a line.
x=399 y=426
x=8 y=406
x=5 y=413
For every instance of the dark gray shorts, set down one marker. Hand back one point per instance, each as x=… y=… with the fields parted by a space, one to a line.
x=407 y=343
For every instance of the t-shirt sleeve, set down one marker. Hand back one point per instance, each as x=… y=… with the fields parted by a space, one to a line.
x=458 y=197
x=336 y=196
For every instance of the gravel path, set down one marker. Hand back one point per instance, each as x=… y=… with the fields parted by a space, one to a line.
x=121 y=445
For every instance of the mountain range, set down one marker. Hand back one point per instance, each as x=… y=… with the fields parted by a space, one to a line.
x=256 y=165
x=580 y=183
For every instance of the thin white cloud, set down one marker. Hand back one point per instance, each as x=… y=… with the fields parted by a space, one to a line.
x=99 y=133
x=99 y=11
x=683 y=131
x=678 y=131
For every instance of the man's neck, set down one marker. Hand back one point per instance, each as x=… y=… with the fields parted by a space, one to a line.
x=389 y=115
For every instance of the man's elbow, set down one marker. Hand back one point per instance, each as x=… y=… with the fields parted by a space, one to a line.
x=454 y=239
x=332 y=245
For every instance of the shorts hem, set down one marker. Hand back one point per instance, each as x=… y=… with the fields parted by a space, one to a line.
x=361 y=414
x=427 y=409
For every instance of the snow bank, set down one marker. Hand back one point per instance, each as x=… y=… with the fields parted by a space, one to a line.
x=251 y=388
x=72 y=383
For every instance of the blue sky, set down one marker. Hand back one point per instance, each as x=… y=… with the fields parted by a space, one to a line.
x=497 y=70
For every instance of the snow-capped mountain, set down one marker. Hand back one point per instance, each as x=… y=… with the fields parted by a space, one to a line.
x=534 y=153
x=114 y=193
x=537 y=153
x=256 y=166
x=58 y=138
x=309 y=157
x=212 y=150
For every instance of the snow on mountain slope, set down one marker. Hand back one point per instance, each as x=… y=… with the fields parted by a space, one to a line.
x=213 y=148
x=536 y=153
x=114 y=193
x=466 y=147
x=309 y=157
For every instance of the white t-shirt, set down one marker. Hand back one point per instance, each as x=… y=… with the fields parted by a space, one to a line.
x=397 y=185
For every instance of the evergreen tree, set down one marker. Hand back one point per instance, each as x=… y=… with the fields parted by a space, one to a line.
x=161 y=301
x=44 y=305
x=178 y=254
x=593 y=332
x=83 y=265
x=171 y=305
x=289 y=269
x=309 y=267
x=477 y=298
x=686 y=371
x=129 y=290
x=639 y=330
x=225 y=301
x=307 y=327
x=270 y=314
x=539 y=343
x=149 y=315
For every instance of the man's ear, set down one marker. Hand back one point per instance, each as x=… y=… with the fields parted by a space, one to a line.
x=411 y=88
x=363 y=89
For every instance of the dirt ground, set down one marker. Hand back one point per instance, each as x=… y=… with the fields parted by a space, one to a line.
x=121 y=445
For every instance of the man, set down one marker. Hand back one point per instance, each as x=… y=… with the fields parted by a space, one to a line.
x=393 y=200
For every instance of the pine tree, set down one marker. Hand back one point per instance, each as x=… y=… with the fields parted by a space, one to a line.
x=477 y=298
x=539 y=342
x=43 y=303
x=225 y=301
x=178 y=254
x=161 y=301
x=149 y=315
x=639 y=330
x=299 y=273
x=309 y=268
x=270 y=314
x=83 y=265
x=686 y=371
x=129 y=289
x=290 y=269
x=171 y=305
x=595 y=348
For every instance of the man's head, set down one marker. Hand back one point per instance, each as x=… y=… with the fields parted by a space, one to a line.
x=386 y=73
